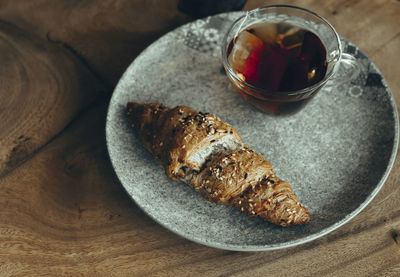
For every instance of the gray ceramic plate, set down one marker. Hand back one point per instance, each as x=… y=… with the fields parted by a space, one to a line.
x=336 y=153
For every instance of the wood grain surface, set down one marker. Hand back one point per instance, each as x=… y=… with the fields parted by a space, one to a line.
x=63 y=212
x=107 y=34
x=43 y=87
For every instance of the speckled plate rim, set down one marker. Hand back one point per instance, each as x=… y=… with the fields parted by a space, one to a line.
x=277 y=246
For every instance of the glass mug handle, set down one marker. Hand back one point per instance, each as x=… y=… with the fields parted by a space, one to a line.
x=348 y=69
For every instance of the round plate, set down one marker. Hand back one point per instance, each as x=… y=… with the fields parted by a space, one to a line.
x=336 y=153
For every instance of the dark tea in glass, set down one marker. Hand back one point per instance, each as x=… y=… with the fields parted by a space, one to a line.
x=274 y=58
x=280 y=56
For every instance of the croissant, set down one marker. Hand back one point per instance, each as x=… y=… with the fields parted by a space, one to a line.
x=208 y=154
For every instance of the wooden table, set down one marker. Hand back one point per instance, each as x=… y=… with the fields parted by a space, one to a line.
x=62 y=209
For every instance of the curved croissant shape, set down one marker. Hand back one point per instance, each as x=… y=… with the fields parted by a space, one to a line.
x=208 y=154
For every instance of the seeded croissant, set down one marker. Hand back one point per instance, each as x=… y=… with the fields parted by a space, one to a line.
x=208 y=154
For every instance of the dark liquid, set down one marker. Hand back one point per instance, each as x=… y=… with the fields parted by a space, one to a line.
x=278 y=57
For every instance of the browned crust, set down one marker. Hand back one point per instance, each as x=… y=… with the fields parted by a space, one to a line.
x=240 y=178
x=230 y=174
x=173 y=135
x=274 y=201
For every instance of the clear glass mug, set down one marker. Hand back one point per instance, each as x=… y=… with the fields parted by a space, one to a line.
x=338 y=64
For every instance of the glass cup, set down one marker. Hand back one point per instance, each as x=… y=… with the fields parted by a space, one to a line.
x=288 y=102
